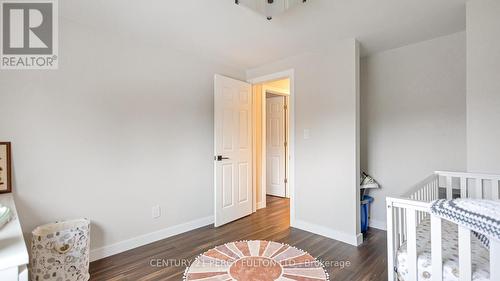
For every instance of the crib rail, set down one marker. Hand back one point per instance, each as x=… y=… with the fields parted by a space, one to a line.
x=426 y=190
x=479 y=186
x=404 y=214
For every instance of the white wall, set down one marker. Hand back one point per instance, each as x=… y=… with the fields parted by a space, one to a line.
x=413 y=115
x=483 y=86
x=326 y=174
x=117 y=129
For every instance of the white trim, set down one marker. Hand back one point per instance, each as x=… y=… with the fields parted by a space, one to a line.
x=277 y=91
x=354 y=240
x=359 y=239
x=378 y=224
x=263 y=148
x=135 y=242
x=261 y=205
x=290 y=74
x=255 y=204
x=272 y=77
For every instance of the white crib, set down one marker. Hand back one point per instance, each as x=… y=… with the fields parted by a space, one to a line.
x=406 y=213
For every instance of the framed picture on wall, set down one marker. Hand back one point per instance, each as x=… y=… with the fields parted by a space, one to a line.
x=5 y=168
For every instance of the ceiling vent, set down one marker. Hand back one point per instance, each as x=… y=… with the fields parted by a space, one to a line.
x=269 y=8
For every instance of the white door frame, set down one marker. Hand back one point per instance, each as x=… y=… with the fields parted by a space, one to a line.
x=290 y=74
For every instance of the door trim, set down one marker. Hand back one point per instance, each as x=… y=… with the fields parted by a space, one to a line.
x=290 y=74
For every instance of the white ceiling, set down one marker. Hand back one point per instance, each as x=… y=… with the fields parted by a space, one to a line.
x=224 y=31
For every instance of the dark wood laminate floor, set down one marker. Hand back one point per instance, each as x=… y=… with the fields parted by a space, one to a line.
x=367 y=262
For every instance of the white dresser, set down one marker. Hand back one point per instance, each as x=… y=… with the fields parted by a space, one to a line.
x=14 y=257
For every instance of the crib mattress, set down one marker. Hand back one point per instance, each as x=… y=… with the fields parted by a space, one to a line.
x=480 y=255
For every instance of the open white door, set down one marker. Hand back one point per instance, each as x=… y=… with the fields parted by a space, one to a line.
x=233 y=150
x=275 y=146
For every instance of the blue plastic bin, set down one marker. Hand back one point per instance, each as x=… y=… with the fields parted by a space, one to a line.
x=365 y=212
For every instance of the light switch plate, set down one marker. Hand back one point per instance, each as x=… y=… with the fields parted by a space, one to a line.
x=307 y=134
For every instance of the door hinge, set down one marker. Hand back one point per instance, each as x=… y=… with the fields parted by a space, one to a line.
x=286 y=144
x=286 y=180
x=285 y=107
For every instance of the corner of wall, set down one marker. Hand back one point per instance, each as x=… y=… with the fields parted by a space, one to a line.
x=358 y=133
x=354 y=240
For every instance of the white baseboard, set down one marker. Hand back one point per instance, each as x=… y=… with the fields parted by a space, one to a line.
x=382 y=225
x=354 y=240
x=129 y=244
x=261 y=205
x=359 y=239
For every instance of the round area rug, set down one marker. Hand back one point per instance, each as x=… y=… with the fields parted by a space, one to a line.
x=255 y=261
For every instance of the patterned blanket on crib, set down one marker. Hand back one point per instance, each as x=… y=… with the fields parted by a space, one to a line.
x=481 y=216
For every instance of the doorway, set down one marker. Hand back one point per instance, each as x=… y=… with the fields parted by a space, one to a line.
x=272 y=157
x=240 y=174
x=276 y=142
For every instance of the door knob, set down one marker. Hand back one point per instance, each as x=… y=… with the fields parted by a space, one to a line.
x=220 y=158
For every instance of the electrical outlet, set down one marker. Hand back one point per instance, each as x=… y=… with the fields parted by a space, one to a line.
x=156 y=212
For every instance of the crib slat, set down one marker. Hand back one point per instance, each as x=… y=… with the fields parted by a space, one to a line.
x=436 y=189
x=437 y=250
x=397 y=237
x=433 y=191
x=404 y=224
x=449 y=188
x=494 y=259
x=412 y=245
x=401 y=227
x=494 y=190
x=479 y=188
x=463 y=187
x=465 y=254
